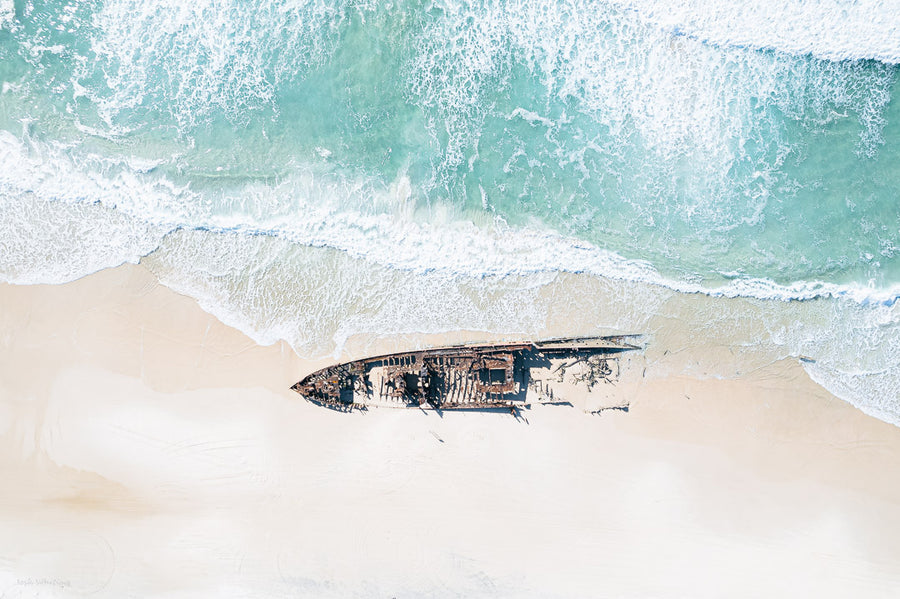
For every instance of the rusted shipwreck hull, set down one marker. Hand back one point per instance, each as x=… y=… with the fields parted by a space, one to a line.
x=473 y=377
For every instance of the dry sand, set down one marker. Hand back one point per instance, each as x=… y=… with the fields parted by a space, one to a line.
x=146 y=449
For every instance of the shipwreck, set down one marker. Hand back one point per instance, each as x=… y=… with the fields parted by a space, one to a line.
x=505 y=376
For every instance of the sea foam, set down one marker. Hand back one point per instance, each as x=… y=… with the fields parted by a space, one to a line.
x=829 y=29
x=363 y=218
x=7 y=12
x=639 y=85
x=59 y=222
x=193 y=59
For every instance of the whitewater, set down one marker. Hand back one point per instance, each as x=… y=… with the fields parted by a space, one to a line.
x=314 y=171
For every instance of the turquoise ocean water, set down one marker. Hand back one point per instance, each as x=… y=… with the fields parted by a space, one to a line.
x=312 y=170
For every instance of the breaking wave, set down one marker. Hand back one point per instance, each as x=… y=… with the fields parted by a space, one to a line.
x=362 y=218
x=829 y=29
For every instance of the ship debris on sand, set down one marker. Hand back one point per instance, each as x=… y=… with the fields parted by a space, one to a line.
x=470 y=377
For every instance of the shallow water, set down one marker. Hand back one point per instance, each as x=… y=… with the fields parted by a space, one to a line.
x=315 y=170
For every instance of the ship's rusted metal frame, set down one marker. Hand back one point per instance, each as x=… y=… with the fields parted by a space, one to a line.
x=445 y=378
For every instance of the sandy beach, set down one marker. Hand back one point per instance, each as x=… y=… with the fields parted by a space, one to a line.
x=149 y=450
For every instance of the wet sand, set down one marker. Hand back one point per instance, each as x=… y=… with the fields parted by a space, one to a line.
x=148 y=449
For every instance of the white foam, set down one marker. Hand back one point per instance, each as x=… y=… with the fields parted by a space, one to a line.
x=531 y=117
x=317 y=298
x=58 y=222
x=192 y=58
x=42 y=241
x=685 y=99
x=361 y=218
x=829 y=29
x=7 y=12
x=314 y=212
x=856 y=355
x=459 y=57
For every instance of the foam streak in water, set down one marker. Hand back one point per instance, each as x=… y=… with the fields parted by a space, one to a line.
x=202 y=56
x=830 y=29
x=7 y=12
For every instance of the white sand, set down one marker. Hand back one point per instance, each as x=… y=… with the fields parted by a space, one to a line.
x=148 y=450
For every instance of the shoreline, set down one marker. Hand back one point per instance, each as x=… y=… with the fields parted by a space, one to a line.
x=150 y=447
